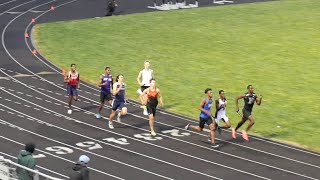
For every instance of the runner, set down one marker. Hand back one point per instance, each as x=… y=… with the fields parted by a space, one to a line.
x=145 y=75
x=249 y=98
x=205 y=117
x=152 y=94
x=119 y=91
x=221 y=108
x=106 y=83
x=73 y=80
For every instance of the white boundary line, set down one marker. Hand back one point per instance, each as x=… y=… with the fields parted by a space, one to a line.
x=137 y=105
x=166 y=136
x=7 y=2
x=44 y=152
x=40 y=167
x=16 y=7
x=80 y=122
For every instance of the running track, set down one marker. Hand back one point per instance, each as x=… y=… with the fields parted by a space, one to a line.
x=32 y=108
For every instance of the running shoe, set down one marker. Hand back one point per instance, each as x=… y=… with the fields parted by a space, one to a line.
x=111 y=125
x=118 y=116
x=215 y=146
x=245 y=135
x=70 y=111
x=153 y=133
x=187 y=126
x=98 y=115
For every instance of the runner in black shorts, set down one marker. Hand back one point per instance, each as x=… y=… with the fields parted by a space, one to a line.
x=106 y=83
x=249 y=98
x=152 y=102
x=205 y=116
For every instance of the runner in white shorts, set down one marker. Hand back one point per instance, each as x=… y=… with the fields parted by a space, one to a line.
x=221 y=109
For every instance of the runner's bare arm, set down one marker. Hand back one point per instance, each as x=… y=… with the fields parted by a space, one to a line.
x=237 y=101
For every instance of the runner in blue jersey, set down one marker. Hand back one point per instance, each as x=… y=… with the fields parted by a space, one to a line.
x=105 y=82
x=119 y=91
x=205 y=116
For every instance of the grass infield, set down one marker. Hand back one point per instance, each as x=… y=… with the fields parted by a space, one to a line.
x=272 y=45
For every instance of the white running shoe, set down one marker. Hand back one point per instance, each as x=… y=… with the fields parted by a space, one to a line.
x=187 y=126
x=111 y=125
x=98 y=115
x=139 y=91
x=145 y=112
x=118 y=116
x=70 y=111
x=153 y=133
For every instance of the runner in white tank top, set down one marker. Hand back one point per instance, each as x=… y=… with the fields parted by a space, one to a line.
x=143 y=79
x=221 y=109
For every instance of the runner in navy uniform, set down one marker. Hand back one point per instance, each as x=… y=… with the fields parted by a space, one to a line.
x=119 y=91
x=106 y=83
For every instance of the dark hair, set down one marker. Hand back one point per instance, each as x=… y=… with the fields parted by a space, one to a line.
x=72 y=65
x=221 y=91
x=152 y=79
x=30 y=147
x=249 y=86
x=146 y=61
x=117 y=78
x=107 y=68
x=208 y=89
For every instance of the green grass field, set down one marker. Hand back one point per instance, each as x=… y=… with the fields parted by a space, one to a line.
x=272 y=45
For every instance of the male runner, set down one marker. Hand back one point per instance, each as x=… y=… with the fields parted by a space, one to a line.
x=205 y=116
x=145 y=75
x=119 y=91
x=105 y=82
x=152 y=94
x=249 y=98
x=73 y=80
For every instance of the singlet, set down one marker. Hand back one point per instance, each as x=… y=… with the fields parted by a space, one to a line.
x=106 y=78
x=221 y=111
x=121 y=94
x=206 y=106
x=152 y=96
x=146 y=77
x=249 y=100
x=73 y=78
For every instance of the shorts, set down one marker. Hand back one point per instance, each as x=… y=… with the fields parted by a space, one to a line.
x=105 y=96
x=246 y=113
x=203 y=121
x=222 y=117
x=144 y=88
x=72 y=90
x=151 y=108
x=118 y=105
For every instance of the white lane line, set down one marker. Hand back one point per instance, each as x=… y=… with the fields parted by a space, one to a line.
x=49 y=91
x=26 y=105
x=41 y=89
x=11 y=90
x=89 y=152
x=40 y=167
x=20 y=115
x=8 y=100
x=57 y=104
x=32 y=86
x=60 y=128
x=10 y=112
x=58 y=94
x=187 y=142
x=17 y=102
x=86 y=102
x=87 y=92
x=142 y=141
x=44 y=152
x=48 y=101
x=36 y=109
x=20 y=92
x=9 y=70
x=38 y=98
x=47 y=112
x=29 y=95
x=7 y=2
x=2 y=110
